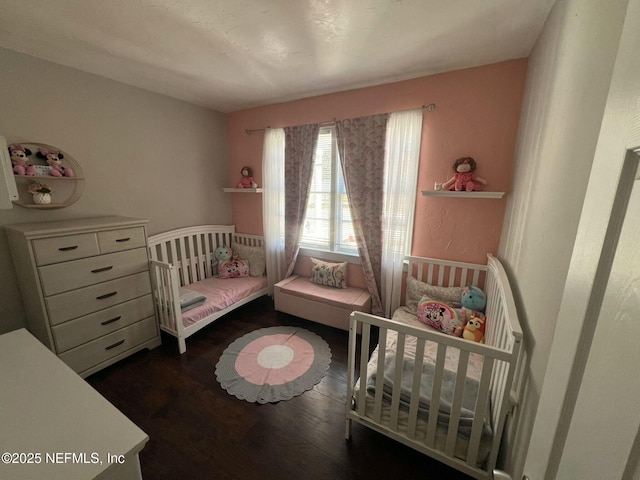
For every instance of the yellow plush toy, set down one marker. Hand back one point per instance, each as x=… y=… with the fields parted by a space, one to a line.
x=474 y=328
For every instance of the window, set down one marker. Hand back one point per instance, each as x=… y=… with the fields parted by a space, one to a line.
x=327 y=223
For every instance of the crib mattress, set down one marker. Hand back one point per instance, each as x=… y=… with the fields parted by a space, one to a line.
x=220 y=294
x=474 y=370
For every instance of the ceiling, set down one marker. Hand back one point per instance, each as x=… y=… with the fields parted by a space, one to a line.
x=234 y=54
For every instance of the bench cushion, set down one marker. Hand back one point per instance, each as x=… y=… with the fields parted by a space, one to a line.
x=340 y=297
x=297 y=296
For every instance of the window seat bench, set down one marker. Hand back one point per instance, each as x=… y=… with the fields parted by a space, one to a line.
x=330 y=306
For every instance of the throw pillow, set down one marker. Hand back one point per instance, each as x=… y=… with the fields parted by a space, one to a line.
x=417 y=289
x=233 y=268
x=254 y=255
x=441 y=316
x=329 y=274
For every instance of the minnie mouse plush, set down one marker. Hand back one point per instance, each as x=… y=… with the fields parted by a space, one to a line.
x=19 y=160
x=54 y=160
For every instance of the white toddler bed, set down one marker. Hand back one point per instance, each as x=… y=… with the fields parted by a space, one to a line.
x=185 y=258
x=470 y=385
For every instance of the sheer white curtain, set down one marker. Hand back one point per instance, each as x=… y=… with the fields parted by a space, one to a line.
x=402 y=156
x=273 y=204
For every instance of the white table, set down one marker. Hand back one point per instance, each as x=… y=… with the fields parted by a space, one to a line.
x=51 y=417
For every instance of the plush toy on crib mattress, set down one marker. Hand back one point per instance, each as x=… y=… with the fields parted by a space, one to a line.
x=465 y=177
x=474 y=328
x=229 y=265
x=474 y=301
x=19 y=160
x=247 y=179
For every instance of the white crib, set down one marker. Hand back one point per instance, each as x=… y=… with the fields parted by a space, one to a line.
x=399 y=412
x=182 y=257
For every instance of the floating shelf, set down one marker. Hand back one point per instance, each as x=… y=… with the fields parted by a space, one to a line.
x=242 y=190
x=66 y=190
x=39 y=206
x=446 y=193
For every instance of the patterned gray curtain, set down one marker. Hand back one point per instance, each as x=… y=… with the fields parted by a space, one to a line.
x=361 y=147
x=300 y=145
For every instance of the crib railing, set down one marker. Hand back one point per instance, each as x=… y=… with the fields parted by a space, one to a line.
x=191 y=250
x=494 y=397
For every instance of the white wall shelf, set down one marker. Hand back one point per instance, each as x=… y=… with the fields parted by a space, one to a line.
x=242 y=190
x=65 y=190
x=447 y=193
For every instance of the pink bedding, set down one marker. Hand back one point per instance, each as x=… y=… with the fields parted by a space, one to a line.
x=221 y=293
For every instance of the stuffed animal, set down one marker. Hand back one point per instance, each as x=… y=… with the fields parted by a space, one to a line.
x=229 y=265
x=221 y=254
x=247 y=179
x=465 y=177
x=19 y=160
x=474 y=299
x=54 y=160
x=474 y=328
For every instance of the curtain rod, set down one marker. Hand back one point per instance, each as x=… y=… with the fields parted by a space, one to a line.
x=431 y=107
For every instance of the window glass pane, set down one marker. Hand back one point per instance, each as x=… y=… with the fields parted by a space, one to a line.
x=328 y=218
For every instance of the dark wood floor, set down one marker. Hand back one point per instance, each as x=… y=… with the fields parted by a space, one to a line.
x=198 y=431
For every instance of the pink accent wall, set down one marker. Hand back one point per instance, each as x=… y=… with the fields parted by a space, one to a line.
x=477 y=113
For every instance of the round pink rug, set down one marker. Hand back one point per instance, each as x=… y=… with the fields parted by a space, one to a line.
x=273 y=364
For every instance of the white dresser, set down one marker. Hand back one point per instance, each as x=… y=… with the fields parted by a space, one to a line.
x=54 y=425
x=86 y=288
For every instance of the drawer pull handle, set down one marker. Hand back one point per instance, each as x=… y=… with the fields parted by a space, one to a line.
x=66 y=249
x=107 y=322
x=123 y=239
x=104 y=269
x=117 y=344
x=106 y=295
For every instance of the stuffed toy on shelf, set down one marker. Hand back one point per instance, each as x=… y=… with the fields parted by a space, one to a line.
x=19 y=160
x=247 y=179
x=465 y=177
x=54 y=160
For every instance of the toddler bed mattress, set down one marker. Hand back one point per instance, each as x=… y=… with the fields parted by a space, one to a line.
x=474 y=370
x=221 y=294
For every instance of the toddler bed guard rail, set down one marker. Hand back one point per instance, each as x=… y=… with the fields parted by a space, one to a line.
x=185 y=257
x=416 y=370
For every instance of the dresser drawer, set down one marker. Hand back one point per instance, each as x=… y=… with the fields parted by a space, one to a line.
x=63 y=277
x=70 y=334
x=63 y=249
x=78 y=303
x=121 y=239
x=86 y=356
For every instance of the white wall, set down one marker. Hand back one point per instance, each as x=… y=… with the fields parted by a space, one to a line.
x=143 y=154
x=568 y=79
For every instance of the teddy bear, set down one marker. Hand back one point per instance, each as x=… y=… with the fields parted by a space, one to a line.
x=465 y=177
x=247 y=179
x=19 y=160
x=54 y=160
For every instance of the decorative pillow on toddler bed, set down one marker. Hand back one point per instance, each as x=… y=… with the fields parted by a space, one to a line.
x=233 y=268
x=441 y=316
x=417 y=289
x=329 y=274
x=255 y=257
